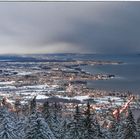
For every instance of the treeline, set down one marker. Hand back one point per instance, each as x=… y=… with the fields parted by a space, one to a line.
x=51 y=123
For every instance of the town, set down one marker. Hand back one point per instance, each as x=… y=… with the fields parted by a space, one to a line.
x=26 y=86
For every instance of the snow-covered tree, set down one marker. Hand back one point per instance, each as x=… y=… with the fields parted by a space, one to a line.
x=116 y=129
x=17 y=106
x=106 y=133
x=54 y=120
x=138 y=127
x=64 y=128
x=76 y=127
x=98 y=131
x=7 y=125
x=37 y=128
x=33 y=105
x=89 y=127
x=130 y=130
x=46 y=110
x=20 y=127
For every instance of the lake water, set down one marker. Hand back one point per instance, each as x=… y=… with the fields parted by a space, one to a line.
x=127 y=74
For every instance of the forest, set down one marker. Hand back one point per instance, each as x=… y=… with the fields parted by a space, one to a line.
x=51 y=122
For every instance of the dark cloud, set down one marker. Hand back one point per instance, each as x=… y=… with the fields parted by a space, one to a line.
x=86 y=27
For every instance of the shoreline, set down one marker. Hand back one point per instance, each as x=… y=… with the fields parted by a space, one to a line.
x=63 y=82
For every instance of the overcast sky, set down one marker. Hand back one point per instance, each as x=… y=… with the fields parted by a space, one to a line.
x=71 y=27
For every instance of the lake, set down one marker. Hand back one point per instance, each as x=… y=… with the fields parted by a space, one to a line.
x=127 y=74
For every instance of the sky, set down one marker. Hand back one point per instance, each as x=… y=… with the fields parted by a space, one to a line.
x=70 y=27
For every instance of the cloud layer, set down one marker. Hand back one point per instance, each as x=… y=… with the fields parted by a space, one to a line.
x=85 y=27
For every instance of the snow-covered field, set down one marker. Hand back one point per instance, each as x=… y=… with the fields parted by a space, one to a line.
x=105 y=100
x=41 y=91
x=100 y=100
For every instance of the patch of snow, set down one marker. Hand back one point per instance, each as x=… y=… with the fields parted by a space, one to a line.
x=63 y=97
x=28 y=93
x=37 y=97
x=104 y=100
x=24 y=73
x=28 y=97
x=35 y=87
x=24 y=102
x=8 y=87
x=7 y=83
x=41 y=97
x=100 y=101
x=81 y=98
x=61 y=91
x=54 y=86
x=112 y=98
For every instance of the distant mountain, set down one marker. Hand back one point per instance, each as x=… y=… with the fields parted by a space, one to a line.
x=34 y=58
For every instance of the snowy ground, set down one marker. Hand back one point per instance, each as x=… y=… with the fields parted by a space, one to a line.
x=105 y=100
x=7 y=83
x=24 y=73
x=41 y=91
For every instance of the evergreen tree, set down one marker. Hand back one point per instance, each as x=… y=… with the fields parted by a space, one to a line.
x=121 y=127
x=99 y=134
x=37 y=128
x=89 y=128
x=76 y=127
x=20 y=129
x=33 y=105
x=138 y=127
x=46 y=110
x=17 y=106
x=64 y=129
x=7 y=125
x=54 y=121
x=114 y=131
x=130 y=131
x=106 y=133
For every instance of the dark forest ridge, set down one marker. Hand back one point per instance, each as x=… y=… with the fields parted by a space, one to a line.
x=61 y=57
